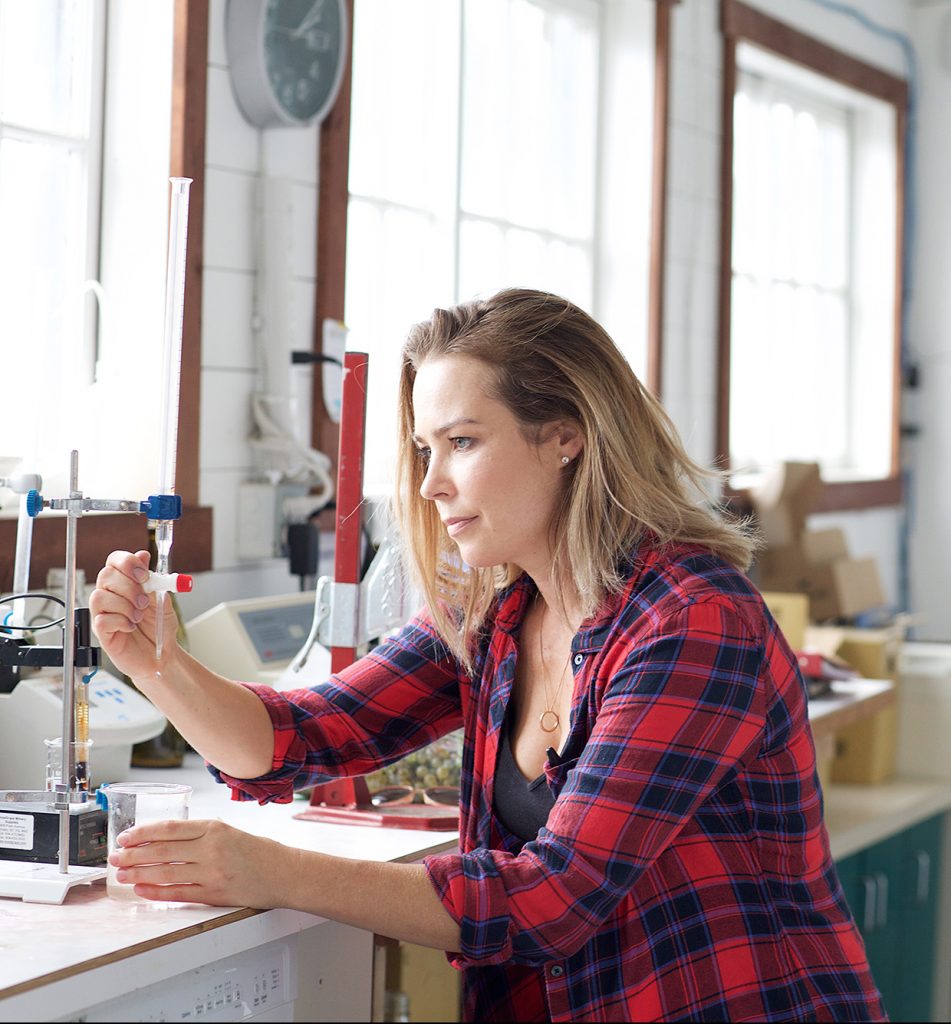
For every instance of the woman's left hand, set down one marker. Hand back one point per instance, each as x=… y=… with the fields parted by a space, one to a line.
x=205 y=862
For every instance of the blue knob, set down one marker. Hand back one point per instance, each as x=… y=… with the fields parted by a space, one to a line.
x=34 y=503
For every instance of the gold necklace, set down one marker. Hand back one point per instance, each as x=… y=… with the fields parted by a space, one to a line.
x=549 y=720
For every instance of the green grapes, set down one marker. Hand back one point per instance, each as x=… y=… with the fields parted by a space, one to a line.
x=435 y=765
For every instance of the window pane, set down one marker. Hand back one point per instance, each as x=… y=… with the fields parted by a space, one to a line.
x=529 y=109
x=46 y=64
x=493 y=256
x=395 y=277
x=403 y=113
x=789 y=376
x=530 y=114
x=42 y=224
x=805 y=278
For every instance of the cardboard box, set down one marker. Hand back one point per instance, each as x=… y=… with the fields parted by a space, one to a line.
x=825 y=758
x=875 y=653
x=867 y=751
x=820 y=547
x=791 y=612
x=788 y=493
x=431 y=985
x=854 y=587
x=836 y=590
x=811 y=562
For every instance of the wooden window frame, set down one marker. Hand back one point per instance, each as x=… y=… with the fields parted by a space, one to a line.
x=332 y=222
x=658 y=229
x=742 y=23
x=100 y=534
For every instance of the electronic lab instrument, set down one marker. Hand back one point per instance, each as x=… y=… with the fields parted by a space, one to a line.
x=255 y=639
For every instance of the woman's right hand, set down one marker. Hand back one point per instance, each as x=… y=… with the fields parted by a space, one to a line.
x=123 y=616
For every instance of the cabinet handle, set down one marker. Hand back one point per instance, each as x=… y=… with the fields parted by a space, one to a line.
x=923 y=888
x=881 y=881
x=868 y=913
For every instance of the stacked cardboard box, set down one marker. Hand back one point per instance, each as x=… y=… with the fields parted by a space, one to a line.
x=811 y=562
x=865 y=752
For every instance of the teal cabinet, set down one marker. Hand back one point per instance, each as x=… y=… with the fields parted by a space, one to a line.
x=891 y=888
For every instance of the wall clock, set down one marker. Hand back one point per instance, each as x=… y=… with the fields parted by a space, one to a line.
x=286 y=58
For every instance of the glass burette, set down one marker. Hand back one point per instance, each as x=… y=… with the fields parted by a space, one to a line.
x=171 y=380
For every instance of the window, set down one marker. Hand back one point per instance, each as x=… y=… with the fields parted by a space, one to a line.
x=84 y=169
x=479 y=159
x=51 y=79
x=812 y=298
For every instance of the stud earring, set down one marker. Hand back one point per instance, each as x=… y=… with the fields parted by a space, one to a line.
x=565 y=460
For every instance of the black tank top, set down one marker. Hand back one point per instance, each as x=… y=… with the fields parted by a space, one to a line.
x=522 y=806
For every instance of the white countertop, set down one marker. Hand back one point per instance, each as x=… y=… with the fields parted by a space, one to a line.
x=40 y=943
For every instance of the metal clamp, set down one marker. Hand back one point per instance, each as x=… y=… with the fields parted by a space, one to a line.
x=351 y=614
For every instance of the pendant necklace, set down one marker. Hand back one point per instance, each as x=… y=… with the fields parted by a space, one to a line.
x=549 y=720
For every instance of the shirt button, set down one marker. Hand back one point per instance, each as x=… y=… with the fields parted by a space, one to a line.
x=579 y=658
x=557 y=971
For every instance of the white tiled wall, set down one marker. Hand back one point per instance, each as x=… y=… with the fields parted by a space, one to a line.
x=237 y=157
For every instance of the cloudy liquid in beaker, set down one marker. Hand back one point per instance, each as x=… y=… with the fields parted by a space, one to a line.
x=120 y=890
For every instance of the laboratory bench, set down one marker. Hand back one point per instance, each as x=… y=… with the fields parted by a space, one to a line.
x=96 y=959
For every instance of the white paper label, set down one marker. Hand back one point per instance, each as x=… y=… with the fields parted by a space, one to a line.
x=16 y=831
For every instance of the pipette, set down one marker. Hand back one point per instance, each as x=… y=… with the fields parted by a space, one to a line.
x=171 y=375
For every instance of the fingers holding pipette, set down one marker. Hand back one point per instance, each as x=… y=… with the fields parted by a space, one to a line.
x=123 y=614
x=119 y=594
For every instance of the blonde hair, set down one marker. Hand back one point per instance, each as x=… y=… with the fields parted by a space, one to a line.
x=550 y=362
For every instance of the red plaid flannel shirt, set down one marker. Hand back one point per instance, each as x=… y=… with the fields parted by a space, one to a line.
x=684 y=872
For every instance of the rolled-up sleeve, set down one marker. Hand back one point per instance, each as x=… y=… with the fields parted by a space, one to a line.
x=683 y=709
x=400 y=697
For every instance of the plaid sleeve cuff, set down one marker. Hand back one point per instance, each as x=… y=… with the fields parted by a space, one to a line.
x=277 y=786
x=472 y=892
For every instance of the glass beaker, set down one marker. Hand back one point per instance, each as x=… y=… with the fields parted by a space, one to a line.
x=135 y=803
x=54 y=763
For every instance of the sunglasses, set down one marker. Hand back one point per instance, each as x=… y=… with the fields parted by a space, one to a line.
x=392 y=796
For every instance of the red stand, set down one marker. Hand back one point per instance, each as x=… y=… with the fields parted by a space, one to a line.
x=348 y=800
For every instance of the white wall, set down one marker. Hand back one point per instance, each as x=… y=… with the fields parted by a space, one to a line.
x=930 y=454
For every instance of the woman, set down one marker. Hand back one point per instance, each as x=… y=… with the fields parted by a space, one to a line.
x=641 y=822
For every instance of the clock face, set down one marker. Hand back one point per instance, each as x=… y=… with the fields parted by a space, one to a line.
x=303 y=51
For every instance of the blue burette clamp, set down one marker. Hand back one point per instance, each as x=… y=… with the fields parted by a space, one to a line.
x=157 y=507
x=162 y=506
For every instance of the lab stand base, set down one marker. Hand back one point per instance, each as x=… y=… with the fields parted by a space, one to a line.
x=43 y=883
